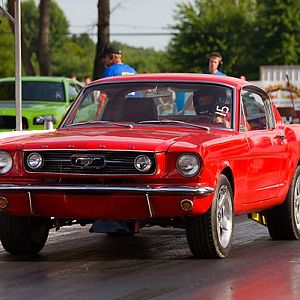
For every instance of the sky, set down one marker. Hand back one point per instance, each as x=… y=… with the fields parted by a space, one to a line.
x=127 y=16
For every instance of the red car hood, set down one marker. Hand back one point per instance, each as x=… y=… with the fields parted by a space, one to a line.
x=144 y=138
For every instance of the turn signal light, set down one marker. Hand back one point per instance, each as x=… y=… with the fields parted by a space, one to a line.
x=3 y=202
x=186 y=204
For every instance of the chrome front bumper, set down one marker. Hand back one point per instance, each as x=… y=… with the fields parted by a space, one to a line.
x=183 y=190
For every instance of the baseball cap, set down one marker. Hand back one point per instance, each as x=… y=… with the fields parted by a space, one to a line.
x=111 y=49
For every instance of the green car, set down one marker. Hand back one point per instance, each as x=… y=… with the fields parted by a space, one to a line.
x=43 y=99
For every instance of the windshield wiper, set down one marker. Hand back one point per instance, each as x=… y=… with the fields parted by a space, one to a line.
x=167 y=121
x=101 y=122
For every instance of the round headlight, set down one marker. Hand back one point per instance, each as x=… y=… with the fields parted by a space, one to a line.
x=34 y=161
x=142 y=163
x=5 y=162
x=38 y=120
x=188 y=165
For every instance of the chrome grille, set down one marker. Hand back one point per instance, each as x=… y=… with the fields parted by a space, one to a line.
x=116 y=162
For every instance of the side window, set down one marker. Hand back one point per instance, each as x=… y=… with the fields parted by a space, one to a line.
x=73 y=91
x=255 y=110
x=244 y=125
x=88 y=109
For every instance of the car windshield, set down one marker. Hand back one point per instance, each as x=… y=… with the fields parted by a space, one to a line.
x=152 y=102
x=34 y=91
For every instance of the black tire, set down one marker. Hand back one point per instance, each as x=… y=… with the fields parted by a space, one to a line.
x=210 y=235
x=23 y=235
x=283 y=221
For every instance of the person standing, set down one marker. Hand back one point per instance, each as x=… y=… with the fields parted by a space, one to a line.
x=73 y=76
x=215 y=61
x=87 y=80
x=112 y=60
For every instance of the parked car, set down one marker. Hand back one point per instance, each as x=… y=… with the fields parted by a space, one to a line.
x=43 y=98
x=184 y=150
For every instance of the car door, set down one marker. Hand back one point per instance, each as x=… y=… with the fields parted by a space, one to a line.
x=266 y=146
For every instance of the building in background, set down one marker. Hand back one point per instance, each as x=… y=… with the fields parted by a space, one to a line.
x=282 y=82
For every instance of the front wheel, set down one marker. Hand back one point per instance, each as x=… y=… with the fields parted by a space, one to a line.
x=210 y=235
x=283 y=221
x=23 y=235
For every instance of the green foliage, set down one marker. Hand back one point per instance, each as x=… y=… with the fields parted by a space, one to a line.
x=6 y=49
x=144 y=60
x=76 y=54
x=30 y=21
x=247 y=33
x=68 y=53
x=59 y=27
x=209 y=26
x=30 y=28
x=280 y=21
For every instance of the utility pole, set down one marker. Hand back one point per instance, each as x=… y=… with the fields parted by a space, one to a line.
x=16 y=20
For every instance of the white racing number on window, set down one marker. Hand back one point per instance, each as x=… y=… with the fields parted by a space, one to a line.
x=222 y=111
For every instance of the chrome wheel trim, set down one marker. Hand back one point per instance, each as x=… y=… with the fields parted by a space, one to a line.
x=297 y=203
x=224 y=216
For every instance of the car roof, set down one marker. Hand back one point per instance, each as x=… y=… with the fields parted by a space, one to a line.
x=39 y=79
x=181 y=77
x=176 y=77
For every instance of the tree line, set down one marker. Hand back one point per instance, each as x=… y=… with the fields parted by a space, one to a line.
x=48 y=47
x=248 y=33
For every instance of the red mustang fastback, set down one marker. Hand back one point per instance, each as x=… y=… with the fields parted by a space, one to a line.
x=182 y=150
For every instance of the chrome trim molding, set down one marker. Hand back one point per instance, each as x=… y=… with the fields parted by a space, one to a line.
x=30 y=203
x=89 y=149
x=184 y=190
x=149 y=205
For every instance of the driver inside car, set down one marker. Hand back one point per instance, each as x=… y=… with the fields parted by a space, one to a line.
x=209 y=105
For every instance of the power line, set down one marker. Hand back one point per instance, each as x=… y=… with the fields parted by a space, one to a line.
x=94 y=25
x=112 y=34
x=138 y=34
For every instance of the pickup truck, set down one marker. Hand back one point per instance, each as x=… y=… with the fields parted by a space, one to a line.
x=179 y=150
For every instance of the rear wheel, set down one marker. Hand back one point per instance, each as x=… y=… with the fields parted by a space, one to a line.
x=210 y=235
x=283 y=221
x=23 y=235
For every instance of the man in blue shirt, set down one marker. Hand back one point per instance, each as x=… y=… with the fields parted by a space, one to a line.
x=214 y=63
x=111 y=58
